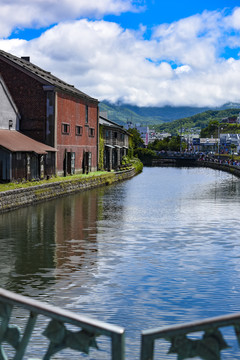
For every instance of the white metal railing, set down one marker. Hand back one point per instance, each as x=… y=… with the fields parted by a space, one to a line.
x=207 y=348
x=56 y=331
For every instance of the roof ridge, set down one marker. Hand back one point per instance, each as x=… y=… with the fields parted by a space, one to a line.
x=45 y=75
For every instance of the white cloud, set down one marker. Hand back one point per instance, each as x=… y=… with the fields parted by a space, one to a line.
x=192 y=41
x=233 y=20
x=182 y=64
x=18 y=14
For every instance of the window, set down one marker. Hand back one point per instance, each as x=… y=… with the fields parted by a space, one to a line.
x=65 y=128
x=86 y=114
x=115 y=135
x=108 y=134
x=91 y=132
x=19 y=156
x=78 y=130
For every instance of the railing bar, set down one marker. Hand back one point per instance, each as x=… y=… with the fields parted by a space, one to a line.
x=59 y=314
x=222 y=321
x=26 y=336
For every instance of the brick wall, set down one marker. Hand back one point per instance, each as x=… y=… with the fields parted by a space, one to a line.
x=71 y=112
x=29 y=98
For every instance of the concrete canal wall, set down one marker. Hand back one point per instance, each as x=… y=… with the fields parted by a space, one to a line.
x=232 y=169
x=14 y=199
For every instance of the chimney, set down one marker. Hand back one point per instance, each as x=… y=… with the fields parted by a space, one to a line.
x=26 y=58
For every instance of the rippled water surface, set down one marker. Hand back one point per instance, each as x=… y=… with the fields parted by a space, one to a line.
x=160 y=249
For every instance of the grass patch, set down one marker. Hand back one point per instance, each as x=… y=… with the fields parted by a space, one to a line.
x=26 y=184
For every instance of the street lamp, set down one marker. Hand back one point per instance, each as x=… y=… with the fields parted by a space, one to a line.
x=181 y=138
x=219 y=137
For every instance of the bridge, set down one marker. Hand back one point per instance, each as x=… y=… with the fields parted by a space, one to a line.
x=175 y=158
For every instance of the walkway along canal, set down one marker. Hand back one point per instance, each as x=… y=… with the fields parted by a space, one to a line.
x=14 y=199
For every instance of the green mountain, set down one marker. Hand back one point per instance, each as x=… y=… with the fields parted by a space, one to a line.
x=122 y=113
x=200 y=121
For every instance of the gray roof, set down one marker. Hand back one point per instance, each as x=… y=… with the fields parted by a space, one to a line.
x=104 y=121
x=46 y=77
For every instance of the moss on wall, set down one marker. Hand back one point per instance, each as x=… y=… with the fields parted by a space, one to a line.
x=101 y=149
x=14 y=199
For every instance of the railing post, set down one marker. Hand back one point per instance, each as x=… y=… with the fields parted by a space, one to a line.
x=118 y=346
x=27 y=334
x=5 y=314
x=147 y=348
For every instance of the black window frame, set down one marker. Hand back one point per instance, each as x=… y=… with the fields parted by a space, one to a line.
x=78 y=130
x=91 y=132
x=65 y=128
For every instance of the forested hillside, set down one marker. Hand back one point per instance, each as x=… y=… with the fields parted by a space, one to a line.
x=146 y=115
x=197 y=121
x=166 y=118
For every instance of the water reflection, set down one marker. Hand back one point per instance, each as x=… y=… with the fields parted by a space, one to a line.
x=41 y=243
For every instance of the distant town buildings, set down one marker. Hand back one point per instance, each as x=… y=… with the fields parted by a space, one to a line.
x=143 y=131
x=231 y=120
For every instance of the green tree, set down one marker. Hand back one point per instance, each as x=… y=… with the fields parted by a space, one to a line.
x=136 y=139
x=145 y=155
x=173 y=144
x=159 y=145
x=211 y=129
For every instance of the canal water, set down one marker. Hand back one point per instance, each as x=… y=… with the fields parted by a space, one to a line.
x=160 y=249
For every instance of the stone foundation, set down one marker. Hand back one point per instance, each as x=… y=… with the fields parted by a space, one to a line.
x=14 y=199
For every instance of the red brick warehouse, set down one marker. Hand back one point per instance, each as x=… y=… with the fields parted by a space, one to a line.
x=54 y=112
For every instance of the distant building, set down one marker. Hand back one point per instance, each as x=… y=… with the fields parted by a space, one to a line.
x=116 y=142
x=157 y=136
x=231 y=120
x=208 y=144
x=143 y=131
x=226 y=140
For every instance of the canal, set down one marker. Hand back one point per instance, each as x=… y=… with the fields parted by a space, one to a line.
x=160 y=249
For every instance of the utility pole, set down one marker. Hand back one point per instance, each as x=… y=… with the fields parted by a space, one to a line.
x=181 y=138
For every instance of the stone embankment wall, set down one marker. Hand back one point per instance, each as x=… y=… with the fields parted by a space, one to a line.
x=14 y=199
x=232 y=169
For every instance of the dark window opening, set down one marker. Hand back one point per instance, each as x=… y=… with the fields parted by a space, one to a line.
x=91 y=132
x=79 y=130
x=65 y=128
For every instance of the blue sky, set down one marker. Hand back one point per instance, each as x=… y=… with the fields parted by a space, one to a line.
x=143 y=52
x=156 y=12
